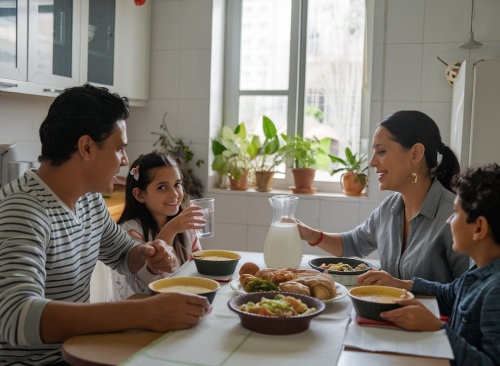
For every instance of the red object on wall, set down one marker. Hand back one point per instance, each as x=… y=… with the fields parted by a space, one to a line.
x=139 y=2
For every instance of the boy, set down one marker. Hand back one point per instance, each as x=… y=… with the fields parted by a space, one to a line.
x=473 y=299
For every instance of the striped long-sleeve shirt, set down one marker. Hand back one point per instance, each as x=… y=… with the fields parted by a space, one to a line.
x=473 y=302
x=48 y=252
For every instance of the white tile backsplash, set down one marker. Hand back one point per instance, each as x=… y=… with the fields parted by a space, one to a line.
x=403 y=72
x=166 y=17
x=405 y=21
x=165 y=82
x=196 y=24
x=194 y=78
x=194 y=120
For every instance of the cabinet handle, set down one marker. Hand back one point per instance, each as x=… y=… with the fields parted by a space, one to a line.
x=50 y=90
x=7 y=85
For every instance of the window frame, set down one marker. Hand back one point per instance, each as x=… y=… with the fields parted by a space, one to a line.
x=297 y=80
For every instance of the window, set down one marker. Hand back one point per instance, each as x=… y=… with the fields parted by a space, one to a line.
x=301 y=63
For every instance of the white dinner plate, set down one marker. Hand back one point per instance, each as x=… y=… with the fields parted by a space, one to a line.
x=341 y=290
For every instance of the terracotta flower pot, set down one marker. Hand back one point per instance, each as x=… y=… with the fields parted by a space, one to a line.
x=264 y=181
x=304 y=179
x=351 y=184
x=240 y=184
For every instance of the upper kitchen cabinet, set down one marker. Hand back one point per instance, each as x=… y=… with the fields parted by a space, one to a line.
x=49 y=45
x=39 y=45
x=115 y=46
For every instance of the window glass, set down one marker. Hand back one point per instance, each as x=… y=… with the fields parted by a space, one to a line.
x=265 y=44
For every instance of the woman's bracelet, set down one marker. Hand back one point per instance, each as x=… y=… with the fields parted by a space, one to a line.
x=321 y=235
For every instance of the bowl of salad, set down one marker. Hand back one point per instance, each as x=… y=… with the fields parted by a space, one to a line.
x=343 y=270
x=276 y=312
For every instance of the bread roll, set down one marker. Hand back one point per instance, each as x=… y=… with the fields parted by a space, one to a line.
x=295 y=287
x=321 y=287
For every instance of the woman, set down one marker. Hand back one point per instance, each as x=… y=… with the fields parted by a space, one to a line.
x=409 y=227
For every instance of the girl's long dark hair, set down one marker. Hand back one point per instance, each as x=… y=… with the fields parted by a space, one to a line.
x=135 y=210
x=411 y=127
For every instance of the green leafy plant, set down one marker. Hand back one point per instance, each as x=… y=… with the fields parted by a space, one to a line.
x=232 y=151
x=264 y=153
x=352 y=163
x=183 y=155
x=305 y=152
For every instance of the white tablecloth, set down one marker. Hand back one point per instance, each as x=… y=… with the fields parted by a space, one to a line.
x=220 y=339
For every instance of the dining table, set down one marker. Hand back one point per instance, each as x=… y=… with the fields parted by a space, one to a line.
x=220 y=339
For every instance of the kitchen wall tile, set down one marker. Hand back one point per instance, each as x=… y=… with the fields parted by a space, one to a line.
x=441 y=114
x=435 y=87
x=166 y=25
x=28 y=150
x=338 y=216
x=403 y=67
x=231 y=208
x=200 y=151
x=9 y=105
x=257 y=237
x=486 y=25
x=135 y=149
x=230 y=237
x=196 y=24
x=405 y=21
x=164 y=83
x=260 y=211
x=194 y=79
x=156 y=110
x=377 y=72
x=308 y=211
x=391 y=107
x=446 y=20
x=137 y=123
x=488 y=50
x=193 y=120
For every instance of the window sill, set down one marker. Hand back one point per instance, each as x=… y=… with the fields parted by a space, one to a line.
x=252 y=191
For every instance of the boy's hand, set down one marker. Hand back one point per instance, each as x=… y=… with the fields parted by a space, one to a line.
x=412 y=316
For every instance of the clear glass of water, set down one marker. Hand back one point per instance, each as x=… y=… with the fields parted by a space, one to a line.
x=208 y=207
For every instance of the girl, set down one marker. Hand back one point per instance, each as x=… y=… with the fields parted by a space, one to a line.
x=154 y=201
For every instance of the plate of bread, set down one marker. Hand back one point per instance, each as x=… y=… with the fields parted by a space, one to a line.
x=302 y=281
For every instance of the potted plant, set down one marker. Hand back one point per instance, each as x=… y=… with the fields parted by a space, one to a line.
x=232 y=155
x=265 y=155
x=183 y=155
x=355 y=179
x=307 y=155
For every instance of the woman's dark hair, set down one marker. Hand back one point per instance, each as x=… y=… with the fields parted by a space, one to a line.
x=479 y=193
x=412 y=127
x=79 y=111
x=146 y=166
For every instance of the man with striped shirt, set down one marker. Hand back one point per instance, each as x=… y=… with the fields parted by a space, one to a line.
x=53 y=229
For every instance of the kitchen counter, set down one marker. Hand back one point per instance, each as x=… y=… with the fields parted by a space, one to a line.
x=115 y=202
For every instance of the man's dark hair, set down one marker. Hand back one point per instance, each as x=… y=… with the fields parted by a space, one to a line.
x=79 y=111
x=479 y=193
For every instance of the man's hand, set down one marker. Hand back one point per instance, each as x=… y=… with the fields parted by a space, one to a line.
x=156 y=256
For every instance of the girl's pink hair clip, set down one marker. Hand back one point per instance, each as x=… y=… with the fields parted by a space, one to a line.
x=135 y=172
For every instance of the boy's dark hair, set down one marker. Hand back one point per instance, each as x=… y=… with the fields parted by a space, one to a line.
x=411 y=127
x=79 y=111
x=479 y=193
x=134 y=209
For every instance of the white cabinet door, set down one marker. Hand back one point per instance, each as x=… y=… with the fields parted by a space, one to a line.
x=13 y=41
x=54 y=42
x=115 y=46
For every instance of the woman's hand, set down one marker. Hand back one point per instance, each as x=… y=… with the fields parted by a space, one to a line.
x=382 y=278
x=413 y=316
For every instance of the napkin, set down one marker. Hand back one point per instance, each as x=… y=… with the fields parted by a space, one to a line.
x=393 y=339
